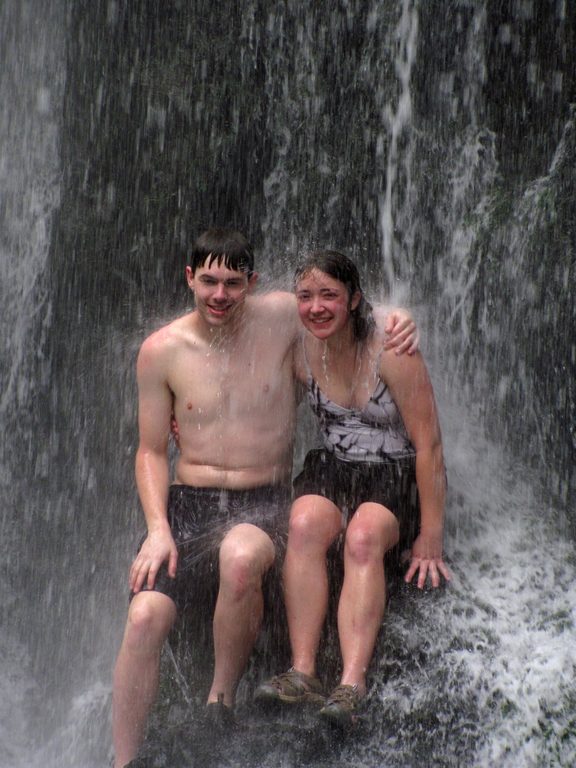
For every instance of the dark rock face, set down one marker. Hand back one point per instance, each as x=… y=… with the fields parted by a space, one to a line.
x=435 y=143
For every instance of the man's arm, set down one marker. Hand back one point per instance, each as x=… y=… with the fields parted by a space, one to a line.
x=401 y=331
x=152 y=467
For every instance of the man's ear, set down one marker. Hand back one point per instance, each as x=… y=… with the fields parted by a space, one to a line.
x=252 y=280
x=190 y=278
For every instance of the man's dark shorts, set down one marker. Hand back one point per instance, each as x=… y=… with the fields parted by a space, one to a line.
x=349 y=484
x=199 y=520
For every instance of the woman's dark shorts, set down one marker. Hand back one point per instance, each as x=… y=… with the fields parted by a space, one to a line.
x=200 y=518
x=349 y=484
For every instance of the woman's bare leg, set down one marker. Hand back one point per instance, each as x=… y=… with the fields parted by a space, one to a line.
x=372 y=531
x=315 y=522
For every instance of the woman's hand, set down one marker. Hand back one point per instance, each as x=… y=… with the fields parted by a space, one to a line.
x=426 y=560
x=401 y=332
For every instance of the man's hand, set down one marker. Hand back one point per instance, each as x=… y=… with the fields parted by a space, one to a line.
x=174 y=430
x=426 y=560
x=158 y=547
x=401 y=332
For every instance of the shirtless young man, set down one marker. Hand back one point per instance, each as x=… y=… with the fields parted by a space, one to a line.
x=226 y=371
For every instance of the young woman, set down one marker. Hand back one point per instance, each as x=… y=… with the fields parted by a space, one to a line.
x=379 y=480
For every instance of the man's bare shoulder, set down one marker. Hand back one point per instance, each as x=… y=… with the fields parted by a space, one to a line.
x=167 y=339
x=279 y=301
x=277 y=307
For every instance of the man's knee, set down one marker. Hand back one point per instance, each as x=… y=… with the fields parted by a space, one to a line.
x=244 y=559
x=150 y=618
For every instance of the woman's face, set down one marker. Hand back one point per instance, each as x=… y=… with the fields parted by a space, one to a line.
x=324 y=303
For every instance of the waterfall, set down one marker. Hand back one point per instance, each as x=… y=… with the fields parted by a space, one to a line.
x=32 y=77
x=435 y=143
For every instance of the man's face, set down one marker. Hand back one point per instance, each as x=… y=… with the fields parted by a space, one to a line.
x=219 y=292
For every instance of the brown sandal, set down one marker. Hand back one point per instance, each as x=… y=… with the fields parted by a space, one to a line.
x=341 y=706
x=291 y=687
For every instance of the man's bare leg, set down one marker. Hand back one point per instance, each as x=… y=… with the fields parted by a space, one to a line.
x=150 y=618
x=371 y=533
x=246 y=553
x=315 y=522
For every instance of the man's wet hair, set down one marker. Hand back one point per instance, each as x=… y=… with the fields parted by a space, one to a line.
x=341 y=268
x=223 y=246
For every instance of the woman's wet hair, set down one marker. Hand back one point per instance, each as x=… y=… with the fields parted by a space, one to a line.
x=343 y=269
x=223 y=246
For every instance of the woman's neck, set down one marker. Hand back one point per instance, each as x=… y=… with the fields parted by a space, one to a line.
x=342 y=343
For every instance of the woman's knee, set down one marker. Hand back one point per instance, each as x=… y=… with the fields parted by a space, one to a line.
x=372 y=532
x=314 y=521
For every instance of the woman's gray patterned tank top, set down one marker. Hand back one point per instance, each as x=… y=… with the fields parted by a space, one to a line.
x=374 y=433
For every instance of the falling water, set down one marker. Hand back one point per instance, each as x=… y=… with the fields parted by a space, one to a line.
x=436 y=144
x=31 y=89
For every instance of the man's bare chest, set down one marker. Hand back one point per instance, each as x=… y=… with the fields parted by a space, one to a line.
x=209 y=383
